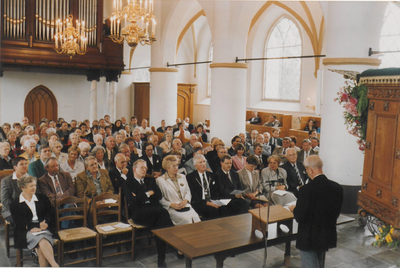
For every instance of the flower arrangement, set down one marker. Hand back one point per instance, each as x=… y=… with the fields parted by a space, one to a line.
x=353 y=97
x=384 y=236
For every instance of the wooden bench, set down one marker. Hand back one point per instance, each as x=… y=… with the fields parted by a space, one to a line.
x=300 y=133
x=284 y=119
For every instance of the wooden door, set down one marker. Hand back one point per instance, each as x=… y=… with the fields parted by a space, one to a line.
x=185 y=101
x=142 y=101
x=40 y=103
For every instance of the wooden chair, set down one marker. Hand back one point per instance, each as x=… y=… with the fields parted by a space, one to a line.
x=79 y=209
x=135 y=229
x=159 y=135
x=204 y=143
x=105 y=211
x=20 y=258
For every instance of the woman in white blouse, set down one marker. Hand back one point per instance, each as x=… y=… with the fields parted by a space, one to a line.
x=56 y=149
x=176 y=193
x=73 y=166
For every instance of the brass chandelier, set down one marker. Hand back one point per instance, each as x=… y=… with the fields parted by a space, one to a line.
x=139 y=22
x=70 y=40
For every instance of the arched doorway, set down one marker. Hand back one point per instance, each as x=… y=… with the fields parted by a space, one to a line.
x=40 y=103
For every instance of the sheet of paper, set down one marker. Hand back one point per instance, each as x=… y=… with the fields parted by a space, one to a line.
x=107 y=228
x=219 y=202
x=293 y=203
x=280 y=192
x=262 y=198
x=41 y=232
x=235 y=192
x=122 y=225
x=111 y=201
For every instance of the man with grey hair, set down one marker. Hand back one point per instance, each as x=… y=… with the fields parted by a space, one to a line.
x=317 y=209
x=119 y=173
x=189 y=146
x=98 y=140
x=314 y=144
x=266 y=148
x=157 y=149
x=281 y=150
x=111 y=149
x=203 y=188
x=136 y=137
x=55 y=183
x=36 y=168
x=189 y=165
x=296 y=173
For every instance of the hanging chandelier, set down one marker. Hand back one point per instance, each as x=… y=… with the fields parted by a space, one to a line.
x=70 y=40
x=139 y=23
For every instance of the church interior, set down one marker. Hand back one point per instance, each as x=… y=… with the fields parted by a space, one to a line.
x=215 y=62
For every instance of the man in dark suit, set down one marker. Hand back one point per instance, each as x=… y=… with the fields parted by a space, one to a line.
x=63 y=133
x=317 y=209
x=162 y=128
x=215 y=163
x=143 y=195
x=111 y=150
x=36 y=168
x=154 y=163
x=296 y=173
x=157 y=149
x=306 y=151
x=254 y=119
x=119 y=173
x=228 y=181
x=138 y=141
x=203 y=187
x=235 y=141
x=275 y=140
x=262 y=159
x=189 y=146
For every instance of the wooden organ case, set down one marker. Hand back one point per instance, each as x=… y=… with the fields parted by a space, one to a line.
x=380 y=189
x=27 y=38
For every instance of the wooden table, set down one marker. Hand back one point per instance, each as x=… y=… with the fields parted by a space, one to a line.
x=228 y=236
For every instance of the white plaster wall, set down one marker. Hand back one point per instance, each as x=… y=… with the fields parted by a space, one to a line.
x=71 y=91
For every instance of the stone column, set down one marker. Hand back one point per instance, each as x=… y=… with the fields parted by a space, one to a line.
x=93 y=76
x=163 y=95
x=228 y=100
x=112 y=79
x=350 y=32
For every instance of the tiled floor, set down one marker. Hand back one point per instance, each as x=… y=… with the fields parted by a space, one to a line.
x=354 y=250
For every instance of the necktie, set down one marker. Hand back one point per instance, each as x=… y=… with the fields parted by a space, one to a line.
x=298 y=174
x=57 y=184
x=284 y=150
x=142 y=184
x=229 y=176
x=205 y=187
x=306 y=154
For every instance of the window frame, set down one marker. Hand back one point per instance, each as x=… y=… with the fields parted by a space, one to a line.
x=264 y=69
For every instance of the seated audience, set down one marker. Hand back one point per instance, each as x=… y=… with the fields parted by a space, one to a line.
x=93 y=181
x=36 y=169
x=73 y=141
x=14 y=143
x=72 y=166
x=55 y=184
x=52 y=138
x=227 y=181
x=110 y=151
x=266 y=148
x=200 y=132
x=176 y=196
x=189 y=146
x=182 y=131
x=269 y=176
x=98 y=140
x=262 y=159
x=32 y=213
x=275 y=140
x=119 y=139
x=315 y=144
x=135 y=153
x=189 y=166
x=63 y=133
x=239 y=160
x=312 y=133
x=253 y=137
x=251 y=184
x=254 y=119
x=98 y=153
x=189 y=127
x=306 y=151
x=124 y=149
x=204 y=189
x=177 y=146
x=84 y=148
x=153 y=162
x=272 y=121
x=30 y=153
x=5 y=159
x=117 y=126
x=56 y=148
x=235 y=141
x=178 y=155
x=293 y=142
x=157 y=149
x=143 y=195
x=212 y=156
x=296 y=173
x=133 y=122
x=128 y=130
x=9 y=187
x=311 y=125
x=119 y=173
x=144 y=128
x=215 y=164
x=136 y=136
x=85 y=132
x=162 y=128
x=281 y=150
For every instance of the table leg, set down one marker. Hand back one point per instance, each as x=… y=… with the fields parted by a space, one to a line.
x=287 y=253
x=188 y=263
x=220 y=257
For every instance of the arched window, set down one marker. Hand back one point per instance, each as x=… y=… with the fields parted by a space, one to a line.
x=282 y=76
x=390 y=37
x=210 y=58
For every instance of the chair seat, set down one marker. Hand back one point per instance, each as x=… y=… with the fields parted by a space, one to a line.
x=76 y=234
x=134 y=225
x=117 y=230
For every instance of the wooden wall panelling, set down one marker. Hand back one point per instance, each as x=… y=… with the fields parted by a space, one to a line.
x=185 y=101
x=142 y=101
